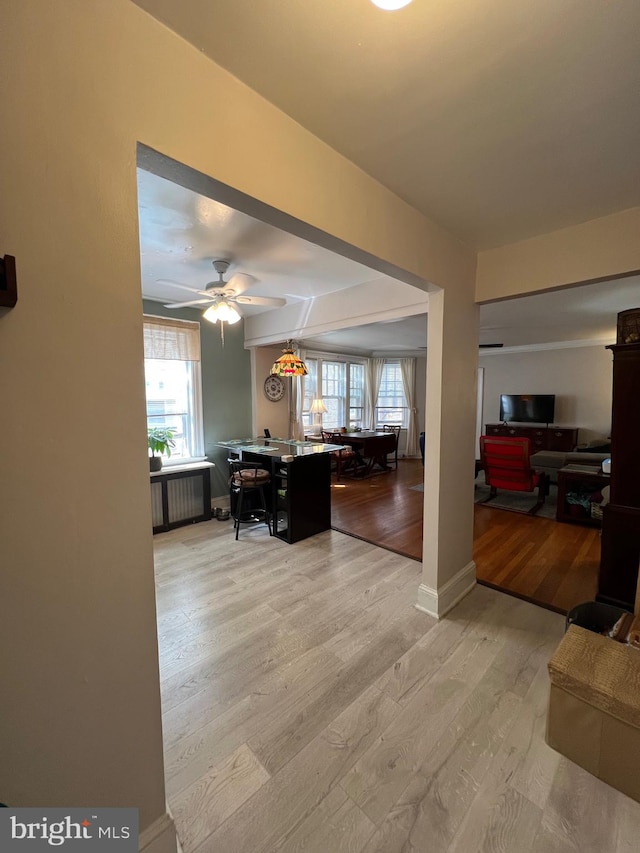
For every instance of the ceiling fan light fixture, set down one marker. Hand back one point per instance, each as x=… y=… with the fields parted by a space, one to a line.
x=390 y=5
x=221 y=311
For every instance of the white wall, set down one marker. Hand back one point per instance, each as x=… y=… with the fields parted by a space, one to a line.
x=372 y=302
x=580 y=377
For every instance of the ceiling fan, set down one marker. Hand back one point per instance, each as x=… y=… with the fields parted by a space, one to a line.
x=221 y=291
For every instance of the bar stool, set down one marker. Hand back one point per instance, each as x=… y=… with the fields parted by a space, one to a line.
x=247 y=482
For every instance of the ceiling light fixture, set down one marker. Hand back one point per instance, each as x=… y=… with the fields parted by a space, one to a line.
x=223 y=311
x=390 y=5
x=289 y=364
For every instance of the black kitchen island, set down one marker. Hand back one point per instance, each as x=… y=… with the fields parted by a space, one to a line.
x=300 y=482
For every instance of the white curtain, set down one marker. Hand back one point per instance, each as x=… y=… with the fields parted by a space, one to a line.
x=408 y=369
x=374 y=376
x=296 y=403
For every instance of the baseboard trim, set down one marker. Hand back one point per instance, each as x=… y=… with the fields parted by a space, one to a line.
x=160 y=837
x=438 y=602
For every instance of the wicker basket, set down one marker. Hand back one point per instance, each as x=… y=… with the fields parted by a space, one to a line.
x=629 y=326
x=596 y=512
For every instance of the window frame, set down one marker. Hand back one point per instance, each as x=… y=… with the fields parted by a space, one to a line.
x=319 y=358
x=193 y=417
x=404 y=409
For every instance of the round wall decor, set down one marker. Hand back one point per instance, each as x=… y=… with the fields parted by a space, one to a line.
x=274 y=388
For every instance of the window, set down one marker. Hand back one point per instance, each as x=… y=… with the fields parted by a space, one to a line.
x=173 y=383
x=391 y=407
x=340 y=384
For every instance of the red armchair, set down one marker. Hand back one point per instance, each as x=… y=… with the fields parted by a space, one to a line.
x=507 y=465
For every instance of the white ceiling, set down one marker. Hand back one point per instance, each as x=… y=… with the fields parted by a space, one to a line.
x=499 y=119
x=182 y=232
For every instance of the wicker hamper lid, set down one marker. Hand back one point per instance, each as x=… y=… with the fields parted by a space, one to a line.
x=600 y=671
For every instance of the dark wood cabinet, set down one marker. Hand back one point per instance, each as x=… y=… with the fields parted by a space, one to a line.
x=301 y=496
x=542 y=437
x=620 y=553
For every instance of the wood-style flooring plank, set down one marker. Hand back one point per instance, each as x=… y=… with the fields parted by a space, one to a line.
x=438 y=796
x=265 y=693
x=627 y=822
x=580 y=810
x=195 y=749
x=201 y=808
x=277 y=743
x=265 y=822
x=373 y=727
x=381 y=775
x=336 y=825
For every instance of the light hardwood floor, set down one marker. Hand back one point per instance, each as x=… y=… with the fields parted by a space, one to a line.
x=308 y=706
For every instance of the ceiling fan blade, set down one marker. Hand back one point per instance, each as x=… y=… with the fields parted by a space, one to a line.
x=239 y=282
x=177 y=284
x=273 y=301
x=187 y=304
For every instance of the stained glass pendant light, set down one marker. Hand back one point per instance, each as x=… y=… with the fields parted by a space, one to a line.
x=289 y=364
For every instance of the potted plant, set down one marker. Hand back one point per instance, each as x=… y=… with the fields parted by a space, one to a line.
x=159 y=440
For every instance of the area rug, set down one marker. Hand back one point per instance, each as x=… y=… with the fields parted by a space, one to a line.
x=418 y=488
x=519 y=501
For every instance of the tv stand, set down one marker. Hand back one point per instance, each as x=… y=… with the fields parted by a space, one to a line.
x=542 y=437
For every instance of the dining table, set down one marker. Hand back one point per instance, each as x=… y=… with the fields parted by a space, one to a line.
x=371 y=448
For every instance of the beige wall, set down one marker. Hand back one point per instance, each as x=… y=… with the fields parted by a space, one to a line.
x=273 y=416
x=452 y=358
x=580 y=377
x=601 y=248
x=84 y=81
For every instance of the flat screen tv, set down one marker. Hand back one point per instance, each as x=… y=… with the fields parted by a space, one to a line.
x=527 y=408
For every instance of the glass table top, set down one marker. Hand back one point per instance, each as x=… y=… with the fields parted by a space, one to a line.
x=279 y=446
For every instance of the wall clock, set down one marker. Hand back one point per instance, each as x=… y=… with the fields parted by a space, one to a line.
x=274 y=388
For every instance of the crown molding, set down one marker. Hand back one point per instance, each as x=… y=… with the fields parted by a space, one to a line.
x=551 y=345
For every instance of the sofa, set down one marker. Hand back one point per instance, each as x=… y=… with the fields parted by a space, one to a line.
x=551 y=461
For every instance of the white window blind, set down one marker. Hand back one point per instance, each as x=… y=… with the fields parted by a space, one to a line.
x=175 y=340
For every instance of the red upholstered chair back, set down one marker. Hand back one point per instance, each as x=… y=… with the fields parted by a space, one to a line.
x=506 y=463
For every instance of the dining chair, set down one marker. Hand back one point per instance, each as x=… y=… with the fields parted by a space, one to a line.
x=395 y=429
x=345 y=458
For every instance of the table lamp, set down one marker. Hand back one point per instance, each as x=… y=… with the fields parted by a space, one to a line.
x=317 y=408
